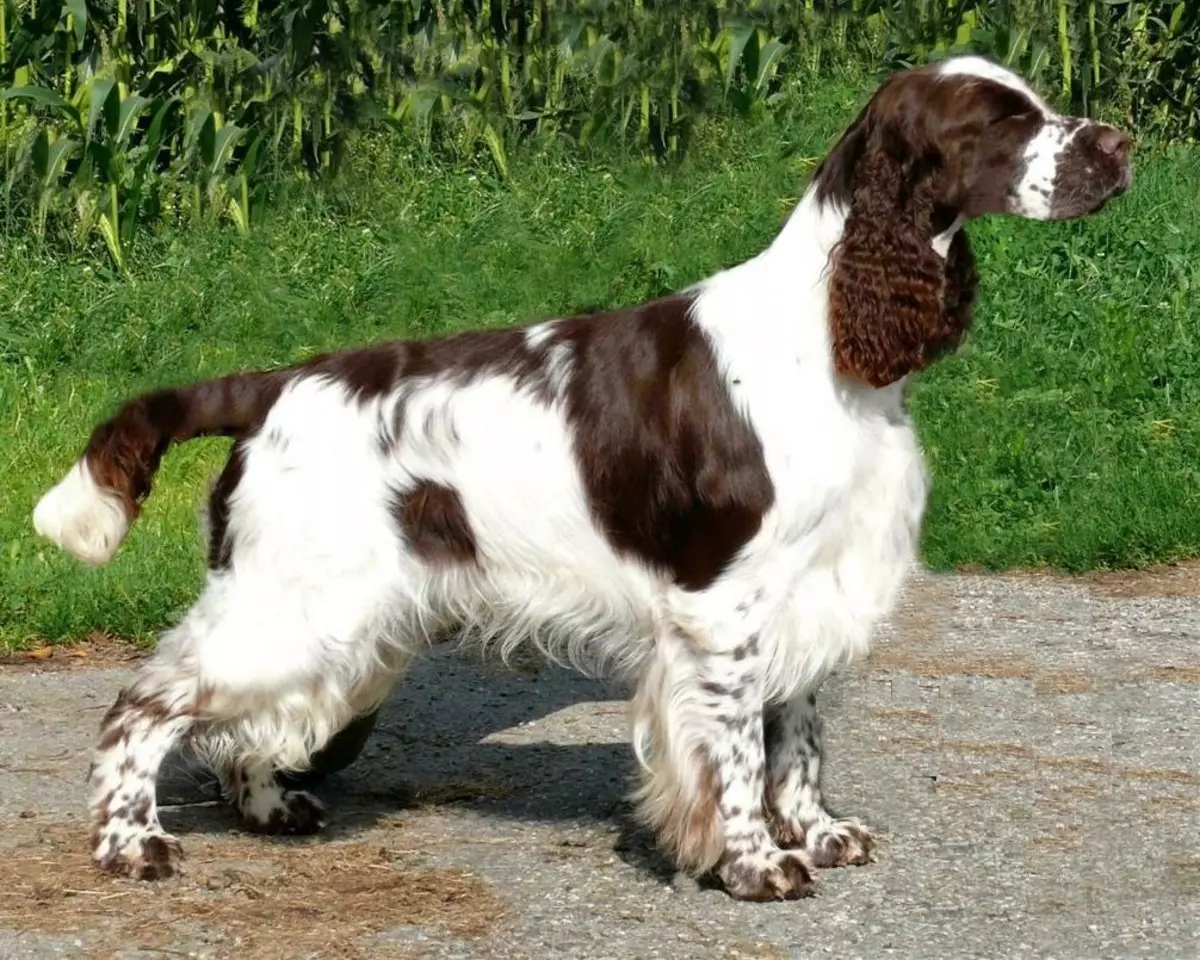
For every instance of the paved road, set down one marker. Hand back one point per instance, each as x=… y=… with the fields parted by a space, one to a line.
x=1030 y=746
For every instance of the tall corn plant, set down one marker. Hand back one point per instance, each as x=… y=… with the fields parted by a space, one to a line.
x=117 y=112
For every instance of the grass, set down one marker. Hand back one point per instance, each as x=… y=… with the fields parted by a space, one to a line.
x=1066 y=433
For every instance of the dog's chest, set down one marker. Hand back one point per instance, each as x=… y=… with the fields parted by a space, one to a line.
x=846 y=469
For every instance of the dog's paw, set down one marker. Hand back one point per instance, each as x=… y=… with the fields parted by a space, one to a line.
x=768 y=875
x=293 y=812
x=830 y=843
x=141 y=854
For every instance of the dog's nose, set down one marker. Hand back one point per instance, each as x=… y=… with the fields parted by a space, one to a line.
x=1112 y=141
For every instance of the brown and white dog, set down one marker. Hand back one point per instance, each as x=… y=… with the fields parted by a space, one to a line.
x=715 y=495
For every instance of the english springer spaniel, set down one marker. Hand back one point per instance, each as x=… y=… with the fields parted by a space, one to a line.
x=714 y=495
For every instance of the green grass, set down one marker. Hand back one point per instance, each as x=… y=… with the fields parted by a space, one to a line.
x=1066 y=433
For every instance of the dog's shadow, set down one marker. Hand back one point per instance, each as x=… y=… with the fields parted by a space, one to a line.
x=453 y=733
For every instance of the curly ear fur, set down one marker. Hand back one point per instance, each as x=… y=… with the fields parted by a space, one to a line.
x=895 y=304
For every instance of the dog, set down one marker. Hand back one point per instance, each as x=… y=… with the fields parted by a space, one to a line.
x=715 y=495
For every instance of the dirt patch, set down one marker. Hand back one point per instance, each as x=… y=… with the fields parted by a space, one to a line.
x=924 y=608
x=1116 y=771
x=98 y=651
x=986 y=748
x=293 y=899
x=1169 y=580
x=1065 y=837
x=1063 y=681
x=904 y=715
x=948 y=663
x=1175 y=674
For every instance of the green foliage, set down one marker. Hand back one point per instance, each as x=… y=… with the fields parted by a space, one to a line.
x=118 y=114
x=1065 y=432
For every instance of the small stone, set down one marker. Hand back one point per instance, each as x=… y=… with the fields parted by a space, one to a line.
x=218 y=882
x=682 y=883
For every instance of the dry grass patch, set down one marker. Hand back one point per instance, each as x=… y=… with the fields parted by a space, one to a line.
x=291 y=899
x=1168 y=580
x=98 y=651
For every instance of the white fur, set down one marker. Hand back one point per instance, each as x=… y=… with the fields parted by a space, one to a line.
x=985 y=69
x=941 y=243
x=80 y=517
x=1033 y=193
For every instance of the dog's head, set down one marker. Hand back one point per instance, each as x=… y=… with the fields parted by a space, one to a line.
x=934 y=147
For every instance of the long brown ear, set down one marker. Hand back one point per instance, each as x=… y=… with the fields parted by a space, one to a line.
x=895 y=304
x=962 y=283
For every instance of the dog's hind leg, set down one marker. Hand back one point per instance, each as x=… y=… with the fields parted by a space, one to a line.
x=272 y=795
x=149 y=717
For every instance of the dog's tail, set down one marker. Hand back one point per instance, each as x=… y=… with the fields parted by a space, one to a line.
x=91 y=509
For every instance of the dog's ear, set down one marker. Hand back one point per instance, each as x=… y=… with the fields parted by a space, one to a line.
x=962 y=284
x=895 y=303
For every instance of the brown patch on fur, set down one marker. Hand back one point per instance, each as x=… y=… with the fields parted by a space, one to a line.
x=852 y=846
x=220 y=548
x=300 y=818
x=112 y=726
x=325 y=896
x=124 y=452
x=790 y=877
x=434 y=522
x=369 y=372
x=674 y=474
x=895 y=305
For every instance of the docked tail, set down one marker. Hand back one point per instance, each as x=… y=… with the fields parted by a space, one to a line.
x=91 y=509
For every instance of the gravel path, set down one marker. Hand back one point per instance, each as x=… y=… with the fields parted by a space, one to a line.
x=1029 y=747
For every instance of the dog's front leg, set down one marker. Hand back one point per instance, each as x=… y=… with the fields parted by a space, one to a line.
x=699 y=737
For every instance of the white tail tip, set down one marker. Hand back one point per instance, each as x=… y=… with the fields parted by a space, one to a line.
x=80 y=517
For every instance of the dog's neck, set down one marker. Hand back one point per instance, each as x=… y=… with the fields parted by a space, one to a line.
x=810 y=232
x=815 y=227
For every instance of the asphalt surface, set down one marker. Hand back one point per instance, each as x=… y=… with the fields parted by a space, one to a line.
x=1028 y=748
